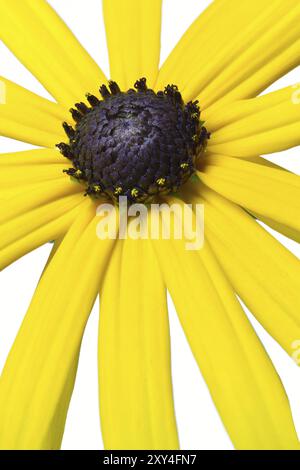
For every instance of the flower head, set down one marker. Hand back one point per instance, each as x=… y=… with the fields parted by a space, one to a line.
x=143 y=143
x=135 y=143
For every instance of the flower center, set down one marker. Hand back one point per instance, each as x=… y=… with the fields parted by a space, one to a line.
x=136 y=143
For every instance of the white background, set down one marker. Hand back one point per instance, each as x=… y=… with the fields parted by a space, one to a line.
x=198 y=422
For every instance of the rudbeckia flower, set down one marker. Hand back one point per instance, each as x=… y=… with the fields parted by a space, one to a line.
x=191 y=132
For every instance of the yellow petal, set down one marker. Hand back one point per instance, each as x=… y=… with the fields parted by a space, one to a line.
x=268 y=126
x=229 y=44
x=242 y=380
x=136 y=403
x=11 y=192
x=38 y=377
x=27 y=133
x=284 y=229
x=30 y=157
x=270 y=192
x=27 y=117
x=234 y=112
x=46 y=46
x=264 y=274
x=133 y=37
x=218 y=20
x=267 y=74
x=28 y=174
x=37 y=218
x=271 y=141
x=41 y=194
x=264 y=162
x=12 y=93
x=53 y=230
x=56 y=244
x=268 y=41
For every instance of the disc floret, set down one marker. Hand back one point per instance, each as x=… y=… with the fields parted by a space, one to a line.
x=136 y=143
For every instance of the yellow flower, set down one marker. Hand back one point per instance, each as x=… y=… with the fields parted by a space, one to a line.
x=231 y=53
